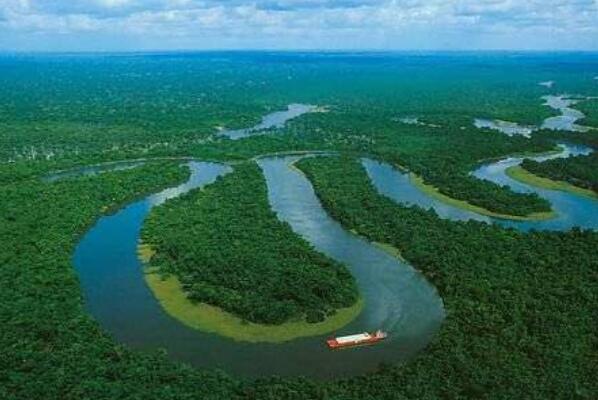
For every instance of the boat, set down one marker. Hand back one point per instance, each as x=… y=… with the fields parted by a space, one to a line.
x=356 y=340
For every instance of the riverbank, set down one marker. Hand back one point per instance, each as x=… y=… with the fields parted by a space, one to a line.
x=204 y=317
x=468 y=262
x=522 y=175
x=435 y=193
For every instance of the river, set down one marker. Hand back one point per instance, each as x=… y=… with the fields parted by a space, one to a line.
x=397 y=298
x=572 y=210
x=277 y=119
x=566 y=121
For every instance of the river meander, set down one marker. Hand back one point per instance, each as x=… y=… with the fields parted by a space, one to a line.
x=397 y=298
x=566 y=121
x=572 y=210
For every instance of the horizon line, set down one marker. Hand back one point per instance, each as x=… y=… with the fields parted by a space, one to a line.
x=297 y=50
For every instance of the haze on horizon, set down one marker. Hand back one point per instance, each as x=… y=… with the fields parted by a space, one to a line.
x=121 y=25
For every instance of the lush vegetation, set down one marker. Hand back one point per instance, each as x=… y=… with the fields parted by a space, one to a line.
x=443 y=157
x=521 y=307
x=53 y=105
x=50 y=347
x=520 y=320
x=58 y=111
x=590 y=109
x=207 y=318
x=522 y=175
x=580 y=171
x=228 y=249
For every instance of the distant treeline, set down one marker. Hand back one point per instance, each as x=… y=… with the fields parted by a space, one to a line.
x=58 y=111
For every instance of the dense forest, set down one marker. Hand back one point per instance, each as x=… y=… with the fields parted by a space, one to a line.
x=55 y=105
x=590 y=109
x=424 y=150
x=58 y=111
x=581 y=171
x=520 y=320
x=521 y=308
x=49 y=345
x=229 y=249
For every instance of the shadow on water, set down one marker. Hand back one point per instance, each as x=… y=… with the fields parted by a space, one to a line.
x=397 y=298
x=572 y=210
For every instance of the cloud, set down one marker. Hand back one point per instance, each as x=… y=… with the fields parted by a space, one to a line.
x=305 y=23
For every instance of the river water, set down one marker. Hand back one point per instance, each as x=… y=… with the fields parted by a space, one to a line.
x=508 y=128
x=397 y=298
x=564 y=122
x=93 y=170
x=568 y=118
x=273 y=120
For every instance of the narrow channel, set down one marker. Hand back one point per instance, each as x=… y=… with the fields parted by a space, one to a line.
x=572 y=210
x=569 y=116
x=567 y=121
x=277 y=119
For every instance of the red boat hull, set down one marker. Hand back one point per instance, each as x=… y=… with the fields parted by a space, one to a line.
x=372 y=339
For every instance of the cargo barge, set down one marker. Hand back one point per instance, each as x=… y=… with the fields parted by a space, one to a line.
x=359 y=339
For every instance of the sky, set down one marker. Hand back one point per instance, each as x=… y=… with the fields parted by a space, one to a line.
x=123 y=25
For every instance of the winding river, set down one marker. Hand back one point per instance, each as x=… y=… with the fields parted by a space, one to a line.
x=397 y=298
x=572 y=209
x=567 y=121
x=569 y=116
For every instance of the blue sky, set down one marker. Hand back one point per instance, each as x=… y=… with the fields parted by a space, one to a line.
x=113 y=25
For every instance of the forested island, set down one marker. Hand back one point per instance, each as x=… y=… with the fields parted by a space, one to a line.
x=581 y=171
x=228 y=249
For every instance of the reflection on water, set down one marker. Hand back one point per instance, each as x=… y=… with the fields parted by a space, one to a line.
x=274 y=120
x=571 y=209
x=397 y=298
